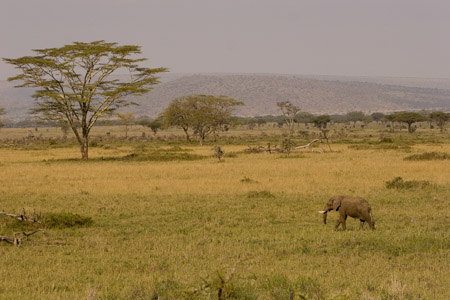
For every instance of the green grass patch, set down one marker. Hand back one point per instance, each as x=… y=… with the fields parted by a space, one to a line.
x=159 y=156
x=66 y=220
x=399 y=183
x=428 y=156
x=260 y=194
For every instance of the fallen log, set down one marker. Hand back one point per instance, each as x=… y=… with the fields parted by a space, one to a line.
x=22 y=217
x=309 y=146
x=15 y=240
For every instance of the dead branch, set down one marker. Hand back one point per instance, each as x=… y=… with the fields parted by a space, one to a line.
x=308 y=145
x=224 y=281
x=319 y=140
x=260 y=149
x=22 y=217
x=6 y=239
x=16 y=240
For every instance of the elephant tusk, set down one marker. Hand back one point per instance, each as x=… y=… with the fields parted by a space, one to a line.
x=322 y=211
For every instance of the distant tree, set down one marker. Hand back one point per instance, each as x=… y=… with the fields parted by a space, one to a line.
x=440 y=118
x=390 y=118
x=218 y=152
x=367 y=119
x=289 y=112
x=2 y=112
x=204 y=114
x=251 y=124
x=178 y=114
x=260 y=121
x=304 y=117
x=408 y=118
x=73 y=82
x=355 y=116
x=339 y=118
x=64 y=128
x=377 y=116
x=127 y=120
x=155 y=125
x=142 y=120
x=321 y=121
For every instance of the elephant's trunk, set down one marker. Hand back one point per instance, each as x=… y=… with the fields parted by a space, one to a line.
x=325 y=217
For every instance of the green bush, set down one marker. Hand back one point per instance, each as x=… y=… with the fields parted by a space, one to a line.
x=280 y=287
x=399 y=183
x=428 y=156
x=65 y=220
x=161 y=156
x=260 y=194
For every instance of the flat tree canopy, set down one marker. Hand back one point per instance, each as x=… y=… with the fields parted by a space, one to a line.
x=355 y=116
x=2 y=112
x=407 y=117
x=440 y=118
x=204 y=114
x=76 y=82
x=321 y=121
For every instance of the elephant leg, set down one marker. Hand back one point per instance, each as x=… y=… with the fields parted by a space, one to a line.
x=372 y=224
x=344 y=223
x=337 y=224
x=361 y=224
x=340 y=221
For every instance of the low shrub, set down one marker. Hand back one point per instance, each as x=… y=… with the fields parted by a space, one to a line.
x=428 y=156
x=280 y=287
x=260 y=194
x=161 y=156
x=248 y=180
x=65 y=220
x=386 y=139
x=399 y=183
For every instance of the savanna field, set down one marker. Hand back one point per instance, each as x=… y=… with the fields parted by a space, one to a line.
x=161 y=218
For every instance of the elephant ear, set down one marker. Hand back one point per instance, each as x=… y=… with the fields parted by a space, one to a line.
x=337 y=203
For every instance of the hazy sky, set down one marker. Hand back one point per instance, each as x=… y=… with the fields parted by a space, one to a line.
x=408 y=38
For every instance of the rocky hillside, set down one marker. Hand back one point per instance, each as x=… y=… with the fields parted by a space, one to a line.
x=260 y=93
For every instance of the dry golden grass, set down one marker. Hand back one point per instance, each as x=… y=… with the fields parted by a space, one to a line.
x=162 y=227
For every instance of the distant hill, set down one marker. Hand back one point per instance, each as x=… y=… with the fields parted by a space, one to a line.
x=261 y=92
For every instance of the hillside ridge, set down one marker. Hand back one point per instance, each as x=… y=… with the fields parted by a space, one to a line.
x=261 y=92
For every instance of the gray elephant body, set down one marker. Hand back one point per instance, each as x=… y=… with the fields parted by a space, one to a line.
x=354 y=207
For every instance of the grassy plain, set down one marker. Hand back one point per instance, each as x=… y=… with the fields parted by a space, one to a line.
x=170 y=227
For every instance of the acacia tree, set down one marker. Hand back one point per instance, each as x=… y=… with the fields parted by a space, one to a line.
x=73 y=83
x=177 y=114
x=127 y=119
x=204 y=114
x=355 y=116
x=2 y=112
x=408 y=118
x=289 y=112
x=321 y=121
x=377 y=116
x=155 y=125
x=441 y=118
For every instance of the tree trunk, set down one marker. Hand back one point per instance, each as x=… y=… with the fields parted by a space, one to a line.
x=84 y=148
x=410 y=127
x=187 y=134
x=202 y=139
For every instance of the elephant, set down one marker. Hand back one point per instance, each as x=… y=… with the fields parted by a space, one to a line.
x=354 y=207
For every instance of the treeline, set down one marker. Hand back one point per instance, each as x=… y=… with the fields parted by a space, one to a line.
x=439 y=118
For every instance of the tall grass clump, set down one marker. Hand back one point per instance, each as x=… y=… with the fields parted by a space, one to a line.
x=65 y=220
x=428 y=156
x=399 y=183
x=260 y=194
